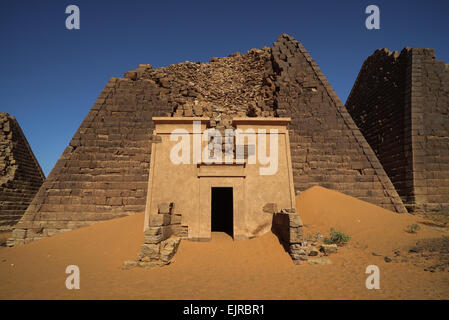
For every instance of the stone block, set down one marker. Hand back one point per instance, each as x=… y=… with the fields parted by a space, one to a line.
x=180 y=231
x=10 y=242
x=169 y=248
x=157 y=234
x=298 y=249
x=157 y=220
x=295 y=220
x=176 y=219
x=329 y=248
x=129 y=264
x=153 y=239
x=296 y=235
x=313 y=252
x=149 y=250
x=152 y=231
x=164 y=208
x=19 y=233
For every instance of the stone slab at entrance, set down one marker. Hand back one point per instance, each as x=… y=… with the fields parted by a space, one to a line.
x=189 y=184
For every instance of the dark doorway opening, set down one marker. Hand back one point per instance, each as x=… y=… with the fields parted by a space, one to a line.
x=222 y=211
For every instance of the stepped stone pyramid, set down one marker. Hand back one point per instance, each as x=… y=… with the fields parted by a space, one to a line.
x=20 y=173
x=103 y=173
x=400 y=102
x=327 y=147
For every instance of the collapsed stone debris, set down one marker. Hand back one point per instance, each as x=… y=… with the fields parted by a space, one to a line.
x=162 y=238
x=288 y=226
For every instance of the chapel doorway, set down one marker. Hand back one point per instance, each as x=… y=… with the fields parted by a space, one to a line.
x=222 y=211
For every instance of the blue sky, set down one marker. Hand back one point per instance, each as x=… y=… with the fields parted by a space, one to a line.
x=51 y=76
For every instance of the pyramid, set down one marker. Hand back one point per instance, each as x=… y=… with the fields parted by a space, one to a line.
x=103 y=173
x=20 y=173
x=400 y=102
x=327 y=147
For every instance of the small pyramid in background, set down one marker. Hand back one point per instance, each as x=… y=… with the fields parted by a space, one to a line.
x=20 y=173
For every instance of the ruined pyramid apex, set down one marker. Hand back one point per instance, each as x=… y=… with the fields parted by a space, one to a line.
x=286 y=36
x=20 y=174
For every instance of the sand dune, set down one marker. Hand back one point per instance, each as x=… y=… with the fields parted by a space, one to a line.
x=223 y=269
x=369 y=225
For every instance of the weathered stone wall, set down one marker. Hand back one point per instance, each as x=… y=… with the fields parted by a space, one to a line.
x=377 y=105
x=287 y=226
x=400 y=103
x=429 y=114
x=327 y=148
x=162 y=238
x=20 y=173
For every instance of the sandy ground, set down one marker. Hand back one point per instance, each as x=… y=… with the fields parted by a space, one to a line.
x=223 y=269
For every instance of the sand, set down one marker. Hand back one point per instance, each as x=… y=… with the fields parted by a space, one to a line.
x=223 y=269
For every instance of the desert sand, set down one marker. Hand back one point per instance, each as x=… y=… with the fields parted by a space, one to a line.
x=224 y=269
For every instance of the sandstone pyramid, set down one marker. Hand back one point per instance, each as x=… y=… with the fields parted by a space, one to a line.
x=20 y=173
x=400 y=102
x=103 y=173
x=327 y=147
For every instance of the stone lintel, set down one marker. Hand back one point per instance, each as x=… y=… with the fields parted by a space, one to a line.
x=175 y=120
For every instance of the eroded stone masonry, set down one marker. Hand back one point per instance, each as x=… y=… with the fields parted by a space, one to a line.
x=103 y=173
x=20 y=173
x=400 y=102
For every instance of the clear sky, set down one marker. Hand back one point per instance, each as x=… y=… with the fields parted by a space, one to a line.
x=51 y=76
